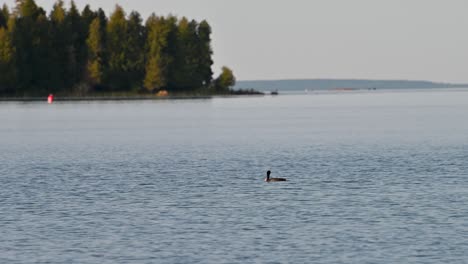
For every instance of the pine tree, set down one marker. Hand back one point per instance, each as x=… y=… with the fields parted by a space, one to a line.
x=116 y=33
x=96 y=49
x=172 y=52
x=88 y=16
x=159 y=58
x=76 y=48
x=58 y=13
x=205 y=53
x=7 y=65
x=58 y=48
x=134 y=45
x=41 y=55
x=27 y=9
x=4 y=16
x=186 y=75
x=30 y=39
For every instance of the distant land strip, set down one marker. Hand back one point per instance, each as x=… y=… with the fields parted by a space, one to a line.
x=331 y=84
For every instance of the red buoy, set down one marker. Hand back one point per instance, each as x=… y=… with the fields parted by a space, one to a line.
x=50 y=99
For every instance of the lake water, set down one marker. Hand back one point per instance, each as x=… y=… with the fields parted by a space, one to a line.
x=374 y=177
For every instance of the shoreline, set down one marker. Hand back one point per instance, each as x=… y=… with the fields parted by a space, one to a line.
x=120 y=98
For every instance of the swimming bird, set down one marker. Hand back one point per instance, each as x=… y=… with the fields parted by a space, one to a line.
x=268 y=179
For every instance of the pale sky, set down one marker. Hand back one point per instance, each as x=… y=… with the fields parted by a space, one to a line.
x=374 y=39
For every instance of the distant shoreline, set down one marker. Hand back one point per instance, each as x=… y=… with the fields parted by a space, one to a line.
x=333 y=84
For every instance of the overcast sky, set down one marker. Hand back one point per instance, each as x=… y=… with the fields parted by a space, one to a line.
x=376 y=39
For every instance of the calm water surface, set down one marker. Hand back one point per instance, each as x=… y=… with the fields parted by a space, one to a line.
x=378 y=177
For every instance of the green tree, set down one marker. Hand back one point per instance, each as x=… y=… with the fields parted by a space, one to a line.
x=41 y=58
x=186 y=66
x=116 y=33
x=135 y=46
x=225 y=81
x=159 y=58
x=102 y=18
x=125 y=42
x=58 y=13
x=171 y=51
x=96 y=49
x=4 y=16
x=22 y=38
x=27 y=9
x=88 y=16
x=7 y=65
x=205 y=53
x=76 y=46
x=30 y=39
x=58 y=47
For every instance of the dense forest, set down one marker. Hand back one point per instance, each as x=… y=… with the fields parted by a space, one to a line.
x=72 y=52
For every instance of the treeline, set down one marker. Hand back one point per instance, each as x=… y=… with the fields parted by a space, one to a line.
x=77 y=53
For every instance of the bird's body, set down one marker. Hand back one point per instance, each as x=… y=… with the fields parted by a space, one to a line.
x=275 y=179
x=268 y=179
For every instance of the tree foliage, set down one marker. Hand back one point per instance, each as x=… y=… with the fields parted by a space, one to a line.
x=96 y=48
x=66 y=49
x=4 y=16
x=205 y=53
x=7 y=55
x=226 y=80
x=159 y=58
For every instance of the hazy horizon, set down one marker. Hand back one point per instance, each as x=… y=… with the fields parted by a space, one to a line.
x=349 y=79
x=325 y=39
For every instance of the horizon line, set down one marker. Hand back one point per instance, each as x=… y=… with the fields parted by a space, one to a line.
x=352 y=79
